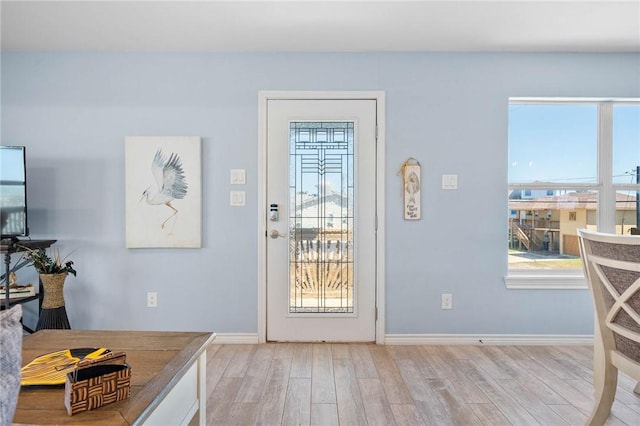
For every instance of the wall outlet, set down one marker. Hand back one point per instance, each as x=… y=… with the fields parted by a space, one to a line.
x=152 y=299
x=447 y=301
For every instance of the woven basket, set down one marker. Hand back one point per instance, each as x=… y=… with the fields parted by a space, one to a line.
x=53 y=285
x=97 y=384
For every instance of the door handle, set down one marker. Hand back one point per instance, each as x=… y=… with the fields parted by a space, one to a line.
x=275 y=234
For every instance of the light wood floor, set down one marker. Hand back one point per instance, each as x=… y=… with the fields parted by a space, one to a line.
x=361 y=384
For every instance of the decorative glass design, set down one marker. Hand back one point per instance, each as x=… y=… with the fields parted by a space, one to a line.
x=321 y=194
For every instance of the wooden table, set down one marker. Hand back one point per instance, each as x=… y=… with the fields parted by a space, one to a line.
x=168 y=378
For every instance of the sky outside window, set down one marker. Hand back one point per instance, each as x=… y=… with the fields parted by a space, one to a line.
x=626 y=143
x=553 y=143
x=558 y=143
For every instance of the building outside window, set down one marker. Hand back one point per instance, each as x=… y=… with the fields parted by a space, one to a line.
x=573 y=163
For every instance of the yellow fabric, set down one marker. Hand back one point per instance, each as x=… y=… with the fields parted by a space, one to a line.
x=52 y=368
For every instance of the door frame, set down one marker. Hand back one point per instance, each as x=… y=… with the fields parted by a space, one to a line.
x=263 y=97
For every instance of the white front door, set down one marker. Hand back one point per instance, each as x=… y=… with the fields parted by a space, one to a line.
x=321 y=220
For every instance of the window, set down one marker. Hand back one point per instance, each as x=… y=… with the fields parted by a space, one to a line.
x=573 y=163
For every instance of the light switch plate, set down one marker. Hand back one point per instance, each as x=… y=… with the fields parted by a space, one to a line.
x=449 y=181
x=238 y=176
x=237 y=198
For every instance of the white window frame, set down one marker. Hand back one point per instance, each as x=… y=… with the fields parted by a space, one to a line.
x=606 y=214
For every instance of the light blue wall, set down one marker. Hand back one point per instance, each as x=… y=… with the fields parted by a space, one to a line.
x=73 y=111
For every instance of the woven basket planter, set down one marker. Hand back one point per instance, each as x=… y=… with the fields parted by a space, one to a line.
x=53 y=285
x=53 y=314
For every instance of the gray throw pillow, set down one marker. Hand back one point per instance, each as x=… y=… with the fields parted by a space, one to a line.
x=10 y=362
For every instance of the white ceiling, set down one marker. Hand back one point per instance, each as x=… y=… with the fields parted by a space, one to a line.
x=320 y=26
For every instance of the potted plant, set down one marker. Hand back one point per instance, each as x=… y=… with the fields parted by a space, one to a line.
x=48 y=265
x=53 y=273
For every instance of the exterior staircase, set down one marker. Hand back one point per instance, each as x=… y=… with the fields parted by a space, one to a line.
x=526 y=236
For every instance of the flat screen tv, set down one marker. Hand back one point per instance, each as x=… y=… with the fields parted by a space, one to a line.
x=13 y=192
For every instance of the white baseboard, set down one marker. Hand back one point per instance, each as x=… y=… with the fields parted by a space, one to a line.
x=442 y=339
x=487 y=339
x=236 y=338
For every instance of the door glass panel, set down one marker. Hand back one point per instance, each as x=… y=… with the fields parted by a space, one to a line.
x=321 y=232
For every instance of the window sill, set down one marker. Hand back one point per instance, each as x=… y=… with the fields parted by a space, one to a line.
x=570 y=280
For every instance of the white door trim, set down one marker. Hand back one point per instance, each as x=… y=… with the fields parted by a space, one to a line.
x=263 y=97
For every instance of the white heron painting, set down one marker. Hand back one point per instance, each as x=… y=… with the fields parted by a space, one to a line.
x=163 y=194
x=170 y=183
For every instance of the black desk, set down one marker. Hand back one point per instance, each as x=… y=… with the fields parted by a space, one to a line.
x=8 y=248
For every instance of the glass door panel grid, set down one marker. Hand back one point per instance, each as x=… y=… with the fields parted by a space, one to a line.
x=321 y=194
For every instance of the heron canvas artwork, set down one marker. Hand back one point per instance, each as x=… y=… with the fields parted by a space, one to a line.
x=170 y=183
x=163 y=191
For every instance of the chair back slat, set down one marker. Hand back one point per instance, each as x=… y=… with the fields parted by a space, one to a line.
x=614 y=263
